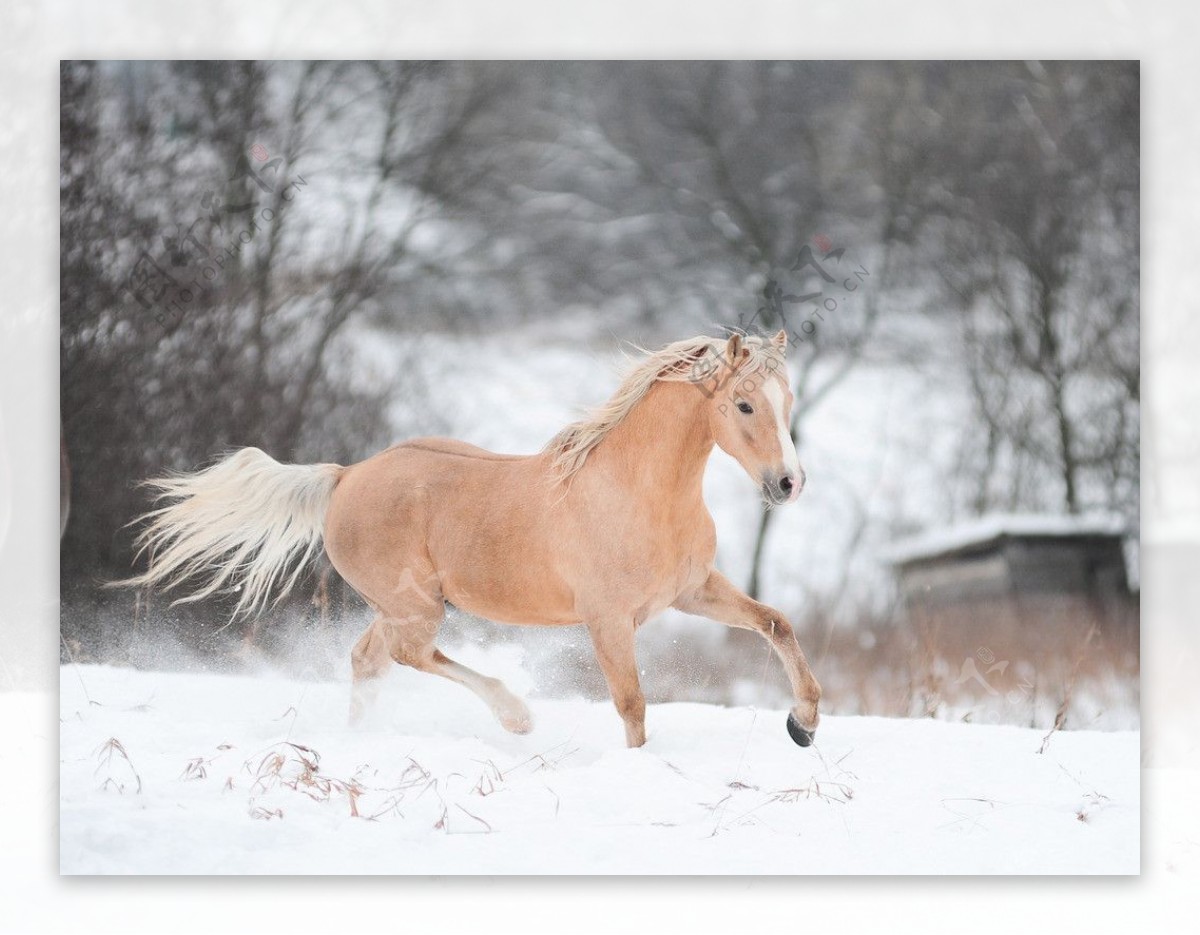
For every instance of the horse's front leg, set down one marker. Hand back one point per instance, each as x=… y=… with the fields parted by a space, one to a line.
x=612 y=638
x=718 y=599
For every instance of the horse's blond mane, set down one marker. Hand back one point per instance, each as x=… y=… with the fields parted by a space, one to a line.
x=689 y=360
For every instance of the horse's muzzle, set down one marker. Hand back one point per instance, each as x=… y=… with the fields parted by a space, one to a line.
x=781 y=487
x=803 y=737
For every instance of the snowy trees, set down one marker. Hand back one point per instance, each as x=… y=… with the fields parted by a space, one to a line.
x=1042 y=261
x=219 y=240
x=230 y=229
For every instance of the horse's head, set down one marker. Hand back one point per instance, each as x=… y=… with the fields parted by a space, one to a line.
x=750 y=412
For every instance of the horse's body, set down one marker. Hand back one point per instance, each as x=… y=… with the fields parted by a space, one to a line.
x=606 y=527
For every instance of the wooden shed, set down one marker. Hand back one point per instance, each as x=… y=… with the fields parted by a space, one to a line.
x=1023 y=580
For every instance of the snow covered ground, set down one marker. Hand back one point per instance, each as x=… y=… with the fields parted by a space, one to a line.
x=168 y=773
x=207 y=772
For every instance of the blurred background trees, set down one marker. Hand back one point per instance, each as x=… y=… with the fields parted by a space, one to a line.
x=1043 y=262
x=255 y=254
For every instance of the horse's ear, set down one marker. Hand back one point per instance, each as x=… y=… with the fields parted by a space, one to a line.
x=780 y=341
x=734 y=349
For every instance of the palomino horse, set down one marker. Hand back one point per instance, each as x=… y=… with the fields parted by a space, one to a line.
x=605 y=527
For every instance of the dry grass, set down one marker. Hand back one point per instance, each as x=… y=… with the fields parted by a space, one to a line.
x=833 y=786
x=837 y=792
x=369 y=794
x=1060 y=715
x=1037 y=671
x=110 y=755
x=1053 y=672
x=296 y=767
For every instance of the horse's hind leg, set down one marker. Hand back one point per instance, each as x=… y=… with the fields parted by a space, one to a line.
x=369 y=660
x=409 y=640
x=509 y=710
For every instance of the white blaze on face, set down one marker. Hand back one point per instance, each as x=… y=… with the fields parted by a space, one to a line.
x=773 y=390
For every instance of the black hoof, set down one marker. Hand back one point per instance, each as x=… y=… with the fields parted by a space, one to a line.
x=803 y=737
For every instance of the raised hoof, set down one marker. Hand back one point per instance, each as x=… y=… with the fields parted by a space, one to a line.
x=802 y=737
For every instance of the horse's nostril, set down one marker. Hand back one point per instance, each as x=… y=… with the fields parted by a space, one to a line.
x=786 y=485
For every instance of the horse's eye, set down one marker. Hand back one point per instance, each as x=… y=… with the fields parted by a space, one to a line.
x=745 y=407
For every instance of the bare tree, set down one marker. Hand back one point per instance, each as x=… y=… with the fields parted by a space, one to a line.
x=243 y=233
x=889 y=149
x=1043 y=259
x=335 y=203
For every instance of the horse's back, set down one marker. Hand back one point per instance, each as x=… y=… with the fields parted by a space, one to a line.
x=408 y=484
x=475 y=519
x=451 y=446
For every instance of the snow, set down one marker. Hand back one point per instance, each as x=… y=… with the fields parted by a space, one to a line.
x=203 y=773
x=986 y=528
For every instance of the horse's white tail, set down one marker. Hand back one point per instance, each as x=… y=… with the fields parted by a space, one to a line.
x=247 y=522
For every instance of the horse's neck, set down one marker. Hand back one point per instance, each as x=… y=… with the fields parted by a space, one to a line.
x=660 y=449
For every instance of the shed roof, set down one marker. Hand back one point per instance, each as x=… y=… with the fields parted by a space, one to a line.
x=986 y=529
